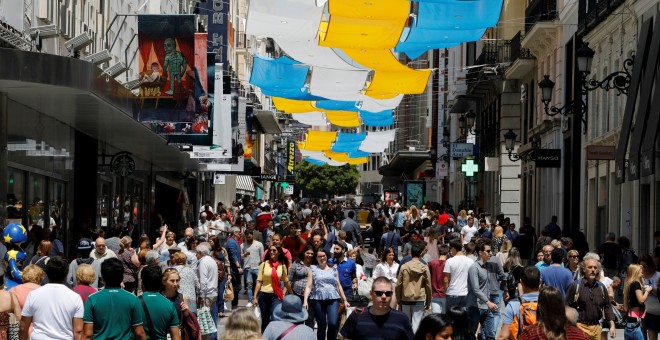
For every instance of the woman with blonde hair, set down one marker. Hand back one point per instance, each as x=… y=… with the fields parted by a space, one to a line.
x=242 y=324
x=414 y=214
x=635 y=294
x=32 y=277
x=85 y=275
x=189 y=283
x=131 y=263
x=498 y=239
x=41 y=258
x=431 y=240
x=461 y=219
x=503 y=254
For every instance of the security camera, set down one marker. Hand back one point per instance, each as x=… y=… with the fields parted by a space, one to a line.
x=98 y=57
x=133 y=84
x=77 y=43
x=115 y=69
x=43 y=32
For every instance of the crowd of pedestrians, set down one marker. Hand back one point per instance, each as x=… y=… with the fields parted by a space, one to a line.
x=310 y=270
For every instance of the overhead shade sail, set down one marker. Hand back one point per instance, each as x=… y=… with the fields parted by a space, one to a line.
x=347 y=142
x=315 y=161
x=293 y=106
x=307 y=153
x=377 y=105
x=310 y=53
x=377 y=141
x=420 y=40
x=337 y=105
x=377 y=119
x=318 y=140
x=293 y=19
x=325 y=160
x=390 y=77
x=337 y=84
x=457 y=14
x=343 y=118
x=282 y=77
x=370 y=10
x=311 y=118
x=344 y=157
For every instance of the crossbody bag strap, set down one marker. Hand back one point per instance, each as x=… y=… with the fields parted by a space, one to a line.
x=287 y=331
x=152 y=331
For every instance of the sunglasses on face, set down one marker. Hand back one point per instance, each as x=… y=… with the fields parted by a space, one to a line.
x=387 y=293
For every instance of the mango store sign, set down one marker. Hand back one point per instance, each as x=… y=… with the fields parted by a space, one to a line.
x=462 y=150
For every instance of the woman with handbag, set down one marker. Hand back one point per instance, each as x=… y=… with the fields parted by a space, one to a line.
x=635 y=294
x=170 y=290
x=221 y=258
x=268 y=289
x=324 y=291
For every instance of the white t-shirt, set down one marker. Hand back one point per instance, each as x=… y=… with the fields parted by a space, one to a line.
x=458 y=267
x=222 y=225
x=52 y=308
x=468 y=233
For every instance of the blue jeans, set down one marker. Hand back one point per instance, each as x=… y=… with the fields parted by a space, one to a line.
x=486 y=318
x=251 y=277
x=496 y=299
x=327 y=316
x=630 y=333
x=267 y=303
x=220 y=304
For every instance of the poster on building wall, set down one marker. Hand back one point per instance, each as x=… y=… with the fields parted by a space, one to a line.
x=173 y=98
x=237 y=129
x=216 y=12
x=11 y=13
x=414 y=193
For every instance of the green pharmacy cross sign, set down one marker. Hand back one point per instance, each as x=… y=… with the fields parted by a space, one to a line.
x=469 y=168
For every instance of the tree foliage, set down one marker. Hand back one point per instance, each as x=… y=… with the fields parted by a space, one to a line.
x=333 y=180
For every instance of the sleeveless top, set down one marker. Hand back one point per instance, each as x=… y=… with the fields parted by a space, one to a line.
x=324 y=284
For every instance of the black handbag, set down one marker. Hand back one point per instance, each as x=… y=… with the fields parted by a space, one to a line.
x=357 y=300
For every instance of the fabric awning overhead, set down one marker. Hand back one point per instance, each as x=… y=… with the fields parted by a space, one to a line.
x=244 y=185
x=282 y=77
x=337 y=84
x=377 y=141
x=290 y=19
x=310 y=53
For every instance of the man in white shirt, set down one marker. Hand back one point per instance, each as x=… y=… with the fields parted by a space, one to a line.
x=203 y=225
x=468 y=231
x=221 y=225
x=456 y=275
x=101 y=252
x=55 y=310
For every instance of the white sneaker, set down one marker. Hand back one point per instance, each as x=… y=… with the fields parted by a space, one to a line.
x=249 y=305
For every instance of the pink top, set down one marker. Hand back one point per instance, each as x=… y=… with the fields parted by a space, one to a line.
x=84 y=291
x=21 y=291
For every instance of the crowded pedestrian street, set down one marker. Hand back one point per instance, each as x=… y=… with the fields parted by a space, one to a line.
x=329 y=169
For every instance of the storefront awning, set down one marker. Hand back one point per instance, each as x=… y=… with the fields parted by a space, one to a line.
x=79 y=94
x=244 y=185
x=268 y=122
x=404 y=161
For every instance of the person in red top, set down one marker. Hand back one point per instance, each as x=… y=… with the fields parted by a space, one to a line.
x=442 y=219
x=262 y=221
x=294 y=241
x=438 y=297
x=551 y=320
x=276 y=241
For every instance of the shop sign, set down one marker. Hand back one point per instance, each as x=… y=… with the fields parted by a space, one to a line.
x=548 y=158
x=462 y=150
x=122 y=164
x=218 y=179
x=291 y=156
x=441 y=169
x=601 y=152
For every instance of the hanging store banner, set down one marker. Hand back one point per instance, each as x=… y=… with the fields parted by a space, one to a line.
x=547 y=158
x=215 y=12
x=462 y=150
x=215 y=158
x=170 y=80
x=290 y=156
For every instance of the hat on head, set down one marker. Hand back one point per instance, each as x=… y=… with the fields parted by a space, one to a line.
x=290 y=310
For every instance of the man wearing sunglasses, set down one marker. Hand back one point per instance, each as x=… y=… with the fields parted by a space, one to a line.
x=481 y=310
x=379 y=321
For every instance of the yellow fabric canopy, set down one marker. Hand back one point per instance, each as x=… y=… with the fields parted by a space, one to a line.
x=343 y=157
x=375 y=24
x=343 y=118
x=390 y=76
x=293 y=106
x=318 y=140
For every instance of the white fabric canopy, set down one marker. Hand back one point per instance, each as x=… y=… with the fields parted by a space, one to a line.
x=337 y=84
x=327 y=160
x=377 y=141
x=293 y=19
x=378 y=105
x=309 y=52
x=313 y=154
x=314 y=118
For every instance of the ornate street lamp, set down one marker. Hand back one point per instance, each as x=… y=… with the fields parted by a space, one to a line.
x=619 y=80
x=510 y=143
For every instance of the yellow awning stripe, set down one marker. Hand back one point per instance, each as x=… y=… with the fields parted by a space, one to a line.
x=293 y=106
x=343 y=157
x=343 y=118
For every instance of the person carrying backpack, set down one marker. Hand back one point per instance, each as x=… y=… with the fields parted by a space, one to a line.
x=521 y=312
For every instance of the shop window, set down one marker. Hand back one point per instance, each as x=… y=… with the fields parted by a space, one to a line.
x=36 y=189
x=15 y=195
x=57 y=204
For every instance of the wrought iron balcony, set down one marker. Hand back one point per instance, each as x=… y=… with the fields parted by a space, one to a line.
x=516 y=51
x=592 y=13
x=540 y=10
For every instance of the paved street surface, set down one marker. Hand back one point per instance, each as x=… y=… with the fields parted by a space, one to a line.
x=243 y=301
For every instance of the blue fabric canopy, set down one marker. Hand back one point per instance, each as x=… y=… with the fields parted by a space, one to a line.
x=377 y=119
x=281 y=77
x=348 y=142
x=420 y=40
x=358 y=154
x=314 y=161
x=336 y=105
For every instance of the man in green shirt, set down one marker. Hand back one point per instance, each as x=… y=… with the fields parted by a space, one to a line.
x=113 y=313
x=161 y=311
